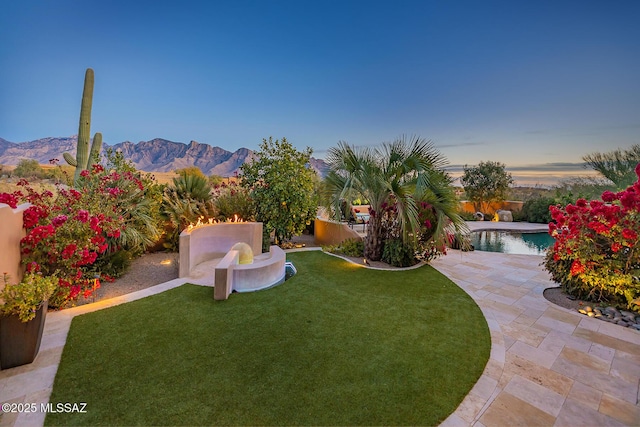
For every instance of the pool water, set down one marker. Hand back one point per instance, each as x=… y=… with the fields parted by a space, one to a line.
x=511 y=242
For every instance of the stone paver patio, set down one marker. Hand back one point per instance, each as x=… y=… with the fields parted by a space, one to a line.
x=548 y=366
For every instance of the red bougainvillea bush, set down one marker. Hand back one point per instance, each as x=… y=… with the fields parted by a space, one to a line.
x=67 y=231
x=596 y=255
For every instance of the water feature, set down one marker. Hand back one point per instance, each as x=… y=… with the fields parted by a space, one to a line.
x=511 y=242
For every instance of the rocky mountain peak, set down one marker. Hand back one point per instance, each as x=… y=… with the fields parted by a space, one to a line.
x=155 y=155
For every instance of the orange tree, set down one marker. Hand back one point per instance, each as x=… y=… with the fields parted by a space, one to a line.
x=281 y=186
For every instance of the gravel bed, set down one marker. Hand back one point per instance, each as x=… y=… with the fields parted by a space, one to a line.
x=558 y=297
x=149 y=270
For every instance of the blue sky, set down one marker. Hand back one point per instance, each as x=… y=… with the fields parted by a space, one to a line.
x=533 y=84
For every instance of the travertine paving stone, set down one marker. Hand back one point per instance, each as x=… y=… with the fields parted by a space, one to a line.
x=559 y=367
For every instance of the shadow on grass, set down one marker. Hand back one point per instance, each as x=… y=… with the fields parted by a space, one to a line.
x=336 y=344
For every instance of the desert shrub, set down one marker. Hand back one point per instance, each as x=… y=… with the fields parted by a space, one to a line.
x=233 y=199
x=114 y=264
x=349 y=247
x=190 y=171
x=588 y=188
x=595 y=255
x=93 y=229
x=398 y=254
x=352 y=247
x=215 y=180
x=60 y=174
x=29 y=168
x=536 y=210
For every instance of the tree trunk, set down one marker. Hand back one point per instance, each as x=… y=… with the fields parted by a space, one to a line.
x=373 y=242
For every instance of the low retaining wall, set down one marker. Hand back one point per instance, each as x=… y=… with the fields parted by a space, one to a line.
x=266 y=270
x=332 y=233
x=11 y=232
x=507 y=205
x=213 y=241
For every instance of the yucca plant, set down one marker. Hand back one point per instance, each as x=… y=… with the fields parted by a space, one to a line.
x=192 y=186
x=186 y=200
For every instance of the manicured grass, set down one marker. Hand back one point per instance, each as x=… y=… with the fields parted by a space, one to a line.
x=336 y=344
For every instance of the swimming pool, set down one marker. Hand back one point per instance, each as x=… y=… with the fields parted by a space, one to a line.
x=511 y=242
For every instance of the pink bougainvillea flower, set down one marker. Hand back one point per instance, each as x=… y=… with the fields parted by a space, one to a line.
x=609 y=196
x=9 y=199
x=69 y=251
x=629 y=199
x=577 y=268
x=82 y=215
x=629 y=234
x=571 y=209
x=59 y=220
x=33 y=267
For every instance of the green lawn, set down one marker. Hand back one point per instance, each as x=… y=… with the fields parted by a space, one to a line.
x=335 y=345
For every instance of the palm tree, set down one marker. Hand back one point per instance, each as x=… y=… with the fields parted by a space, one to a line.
x=406 y=171
x=617 y=166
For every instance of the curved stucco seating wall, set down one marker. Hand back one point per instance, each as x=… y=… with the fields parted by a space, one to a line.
x=11 y=231
x=267 y=270
x=213 y=241
x=332 y=233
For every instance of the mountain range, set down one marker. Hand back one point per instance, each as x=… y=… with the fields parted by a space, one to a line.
x=156 y=155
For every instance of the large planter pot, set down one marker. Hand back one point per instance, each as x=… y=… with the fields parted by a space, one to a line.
x=20 y=341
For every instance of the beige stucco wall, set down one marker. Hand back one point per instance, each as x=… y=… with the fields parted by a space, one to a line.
x=332 y=233
x=213 y=241
x=266 y=270
x=11 y=231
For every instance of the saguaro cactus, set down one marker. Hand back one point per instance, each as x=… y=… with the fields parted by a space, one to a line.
x=83 y=157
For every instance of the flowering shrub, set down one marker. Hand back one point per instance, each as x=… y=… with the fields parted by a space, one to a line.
x=349 y=247
x=135 y=196
x=595 y=255
x=423 y=247
x=66 y=233
x=25 y=298
x=11 y=199
x=232 y=199
x=92 y=230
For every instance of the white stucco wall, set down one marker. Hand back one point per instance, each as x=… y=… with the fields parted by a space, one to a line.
x=213 y=241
